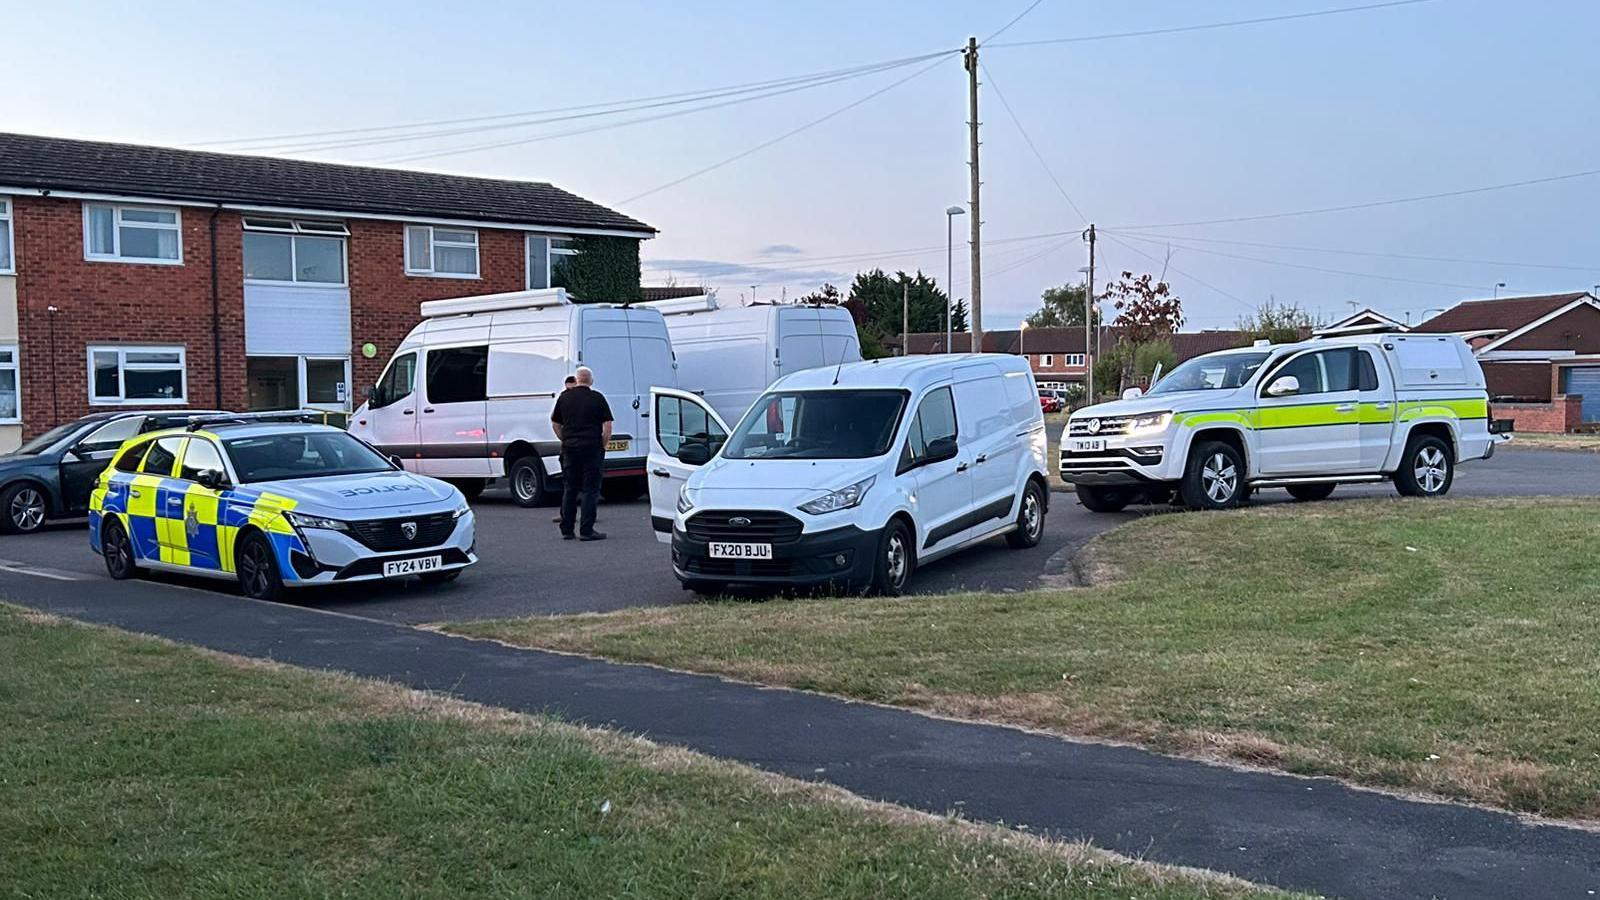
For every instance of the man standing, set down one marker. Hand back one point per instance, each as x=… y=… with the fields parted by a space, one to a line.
x=582 y=420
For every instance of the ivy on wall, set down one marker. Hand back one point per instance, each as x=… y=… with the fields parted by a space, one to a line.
x=605 y=270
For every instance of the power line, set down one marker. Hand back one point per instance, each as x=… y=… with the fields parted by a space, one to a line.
x=1289 y=265
x=703 y=93
x=1369 y=205
x=783 y=137
x=995 y=86
x=1196 y=279
x=863 y=256
x=1206 y=26
x=1014 y=20
x=1372 y=253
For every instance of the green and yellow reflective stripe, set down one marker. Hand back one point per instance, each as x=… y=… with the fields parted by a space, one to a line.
x=1460 y=408
x=1369 y=412
x=1214 y=417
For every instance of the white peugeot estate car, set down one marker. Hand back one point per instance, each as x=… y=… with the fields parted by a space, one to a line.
x=850 y=475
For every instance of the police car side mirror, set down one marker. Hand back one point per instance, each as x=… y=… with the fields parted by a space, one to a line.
x=1284 y=386
x=211 y=480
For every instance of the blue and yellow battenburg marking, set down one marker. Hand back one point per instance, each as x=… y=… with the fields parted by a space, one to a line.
x=181 y=523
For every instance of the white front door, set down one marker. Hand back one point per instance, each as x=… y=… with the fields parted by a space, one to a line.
x=938 y=456
x=684 y=432
x=1316 y=430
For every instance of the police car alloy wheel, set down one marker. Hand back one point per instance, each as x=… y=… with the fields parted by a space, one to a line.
x=258 y=570
x=118 y=551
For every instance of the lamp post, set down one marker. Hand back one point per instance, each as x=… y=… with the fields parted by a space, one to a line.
x=1497 y=286
x=1022 y=350
x=1089 y=333
x=950 y=214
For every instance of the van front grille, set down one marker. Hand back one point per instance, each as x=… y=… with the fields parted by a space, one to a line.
x=744 y=526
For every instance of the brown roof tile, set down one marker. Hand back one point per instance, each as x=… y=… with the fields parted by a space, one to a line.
x=1508 y=313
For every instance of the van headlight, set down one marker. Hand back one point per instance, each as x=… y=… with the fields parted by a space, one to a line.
x=1150 y=423
x=301 y=520
x=843 y=498
x=684 y=503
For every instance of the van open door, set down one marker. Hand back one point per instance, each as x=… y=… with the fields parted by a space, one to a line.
x=685 y=432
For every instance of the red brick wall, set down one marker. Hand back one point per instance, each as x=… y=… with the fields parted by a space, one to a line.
x=1561 y=415
x=384 y=299
x=1057 y=370
x=115 y=302
x=1525 y=381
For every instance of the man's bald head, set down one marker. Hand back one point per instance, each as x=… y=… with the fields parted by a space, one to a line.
x=585 y=376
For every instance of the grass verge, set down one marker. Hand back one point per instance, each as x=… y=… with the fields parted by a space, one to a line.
x=1446 y=647
x=1585 y=443
x=132 y=767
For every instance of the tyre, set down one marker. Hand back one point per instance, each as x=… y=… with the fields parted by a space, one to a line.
x=440 y=577
x=117 y=549
x=624 y=489
x=1310 y=492
x=1104 y=499
x=1427 y=469
x=529 y=486
x=23 y=508
x=895 y=561
x=256 y=564
x=1030 y=519
x=471 y=488
x=1214 y=478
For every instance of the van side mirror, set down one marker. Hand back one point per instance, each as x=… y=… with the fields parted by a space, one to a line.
x=942 y=448
x=1283 y=386
x=694 y=453
x=1132 y=393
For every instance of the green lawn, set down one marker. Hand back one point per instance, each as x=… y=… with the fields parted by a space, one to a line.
x=1579 y=442
x=133 y=768
x=1451 y=647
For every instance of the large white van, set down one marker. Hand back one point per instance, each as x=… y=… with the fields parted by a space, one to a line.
x=729 y=354
x=467 y=395
x=850 y=475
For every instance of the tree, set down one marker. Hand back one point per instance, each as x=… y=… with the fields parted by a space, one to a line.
x=876 y=301
x=1147 y=310
x=1062 y=308
x=1279 y=323
x=958 y=316
x=826 y=294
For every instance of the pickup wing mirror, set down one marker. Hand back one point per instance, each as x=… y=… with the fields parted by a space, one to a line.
x=1283 y=386
x=1132 y=393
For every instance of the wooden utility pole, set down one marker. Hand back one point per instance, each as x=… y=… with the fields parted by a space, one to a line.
x=905 y=318
x=971 y=61
x=1090 y=330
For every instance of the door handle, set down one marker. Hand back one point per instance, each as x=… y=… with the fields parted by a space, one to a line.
x=962 y=468
x=660 y=473
x=1383 y=404
x=408 y=412
x=427 y=409
x=982 y=458
x=1345 y=407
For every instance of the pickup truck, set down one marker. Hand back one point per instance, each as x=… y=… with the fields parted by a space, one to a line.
x=1307 y=417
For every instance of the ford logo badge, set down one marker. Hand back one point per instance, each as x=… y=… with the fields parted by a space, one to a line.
x=1094 y=426
x=409 y=529
x=739 y=522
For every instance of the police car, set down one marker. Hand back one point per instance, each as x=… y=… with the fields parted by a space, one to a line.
x=275 y=505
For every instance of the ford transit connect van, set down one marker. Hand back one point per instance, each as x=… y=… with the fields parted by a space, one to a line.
x=850 y=475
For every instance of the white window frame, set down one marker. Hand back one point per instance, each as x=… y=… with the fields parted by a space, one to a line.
x=477 y=256
x=294 y=227
x=14 y=366
x=1047 y=360
x=123 y=366
x=1074 y=359
x=550 y=254
x=8 y=266
x=116 y=234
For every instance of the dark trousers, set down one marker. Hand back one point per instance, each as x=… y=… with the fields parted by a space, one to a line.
x=580 y=486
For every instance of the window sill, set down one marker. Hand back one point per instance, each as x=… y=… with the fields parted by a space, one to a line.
x=411 y=274
x=297 y=284
x=132 y=261
x=108 y=401
x=10 y=421
x=8 y=271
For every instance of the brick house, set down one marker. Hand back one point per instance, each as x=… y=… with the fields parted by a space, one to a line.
x=1540 y=356
x=1057 y=354
x=148 y=276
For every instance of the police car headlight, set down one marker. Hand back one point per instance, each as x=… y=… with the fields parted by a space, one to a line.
x=460 y=511
x=301 y=520
x=1150 y=423
x=684 y=503
x=843 y=498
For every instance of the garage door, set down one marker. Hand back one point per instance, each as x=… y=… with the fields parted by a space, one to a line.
x=1584 y=380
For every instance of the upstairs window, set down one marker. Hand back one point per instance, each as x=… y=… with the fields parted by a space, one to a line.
x=1074 y=359
x=7 y=263
x=293 y=251
x=1047 y=360
x=146 y=234
x=441 y=251
x=548 y=259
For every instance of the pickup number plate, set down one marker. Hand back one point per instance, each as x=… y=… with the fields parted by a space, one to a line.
x=1091 y=445
x=616 y=446
x=741 y=551
x=396 y=568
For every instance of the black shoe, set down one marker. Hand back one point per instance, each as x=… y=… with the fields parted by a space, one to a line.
x=593 y=536
x=555 y=520
x=567 y=535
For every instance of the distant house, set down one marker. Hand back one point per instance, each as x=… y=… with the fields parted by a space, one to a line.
x=1366 y=319
x=1541 y=353
x=1057 y=354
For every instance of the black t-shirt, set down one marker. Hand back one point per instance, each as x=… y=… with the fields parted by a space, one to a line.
x=580 y=411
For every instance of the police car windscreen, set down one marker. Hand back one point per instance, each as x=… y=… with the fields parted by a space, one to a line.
x=301 y=454
x=836 y=424
x=1219 y=371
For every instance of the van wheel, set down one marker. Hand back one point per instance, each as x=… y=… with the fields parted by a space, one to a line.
x=1427 y=469
x=118 y=551
x=257 y=567
x=529 y=486
x=623 y=489
x=471 y=488
x=1311 y=491
x=1030 y=519
x=1103 y=499
x=23 y=508
x=1215 y=477
x=896 y=559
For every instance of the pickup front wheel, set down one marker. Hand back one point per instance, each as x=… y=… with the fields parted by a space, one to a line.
x=1214 y=478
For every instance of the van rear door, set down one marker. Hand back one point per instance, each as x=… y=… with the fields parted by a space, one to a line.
x=606 y=349
x=678 y=420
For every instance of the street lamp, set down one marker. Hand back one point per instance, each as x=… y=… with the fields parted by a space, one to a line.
x=950 y=214
x=1022 y=350
x=1497 y=286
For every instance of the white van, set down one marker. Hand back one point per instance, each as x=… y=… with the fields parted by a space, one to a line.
x=729 y=354
x=467 y=395
x=851 y=475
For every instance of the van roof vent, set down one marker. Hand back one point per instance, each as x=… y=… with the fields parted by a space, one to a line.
x=460 y=306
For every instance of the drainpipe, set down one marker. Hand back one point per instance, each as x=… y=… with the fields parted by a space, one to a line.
x=216 y=314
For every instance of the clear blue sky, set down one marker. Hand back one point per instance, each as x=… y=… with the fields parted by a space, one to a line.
x=1318 y=112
